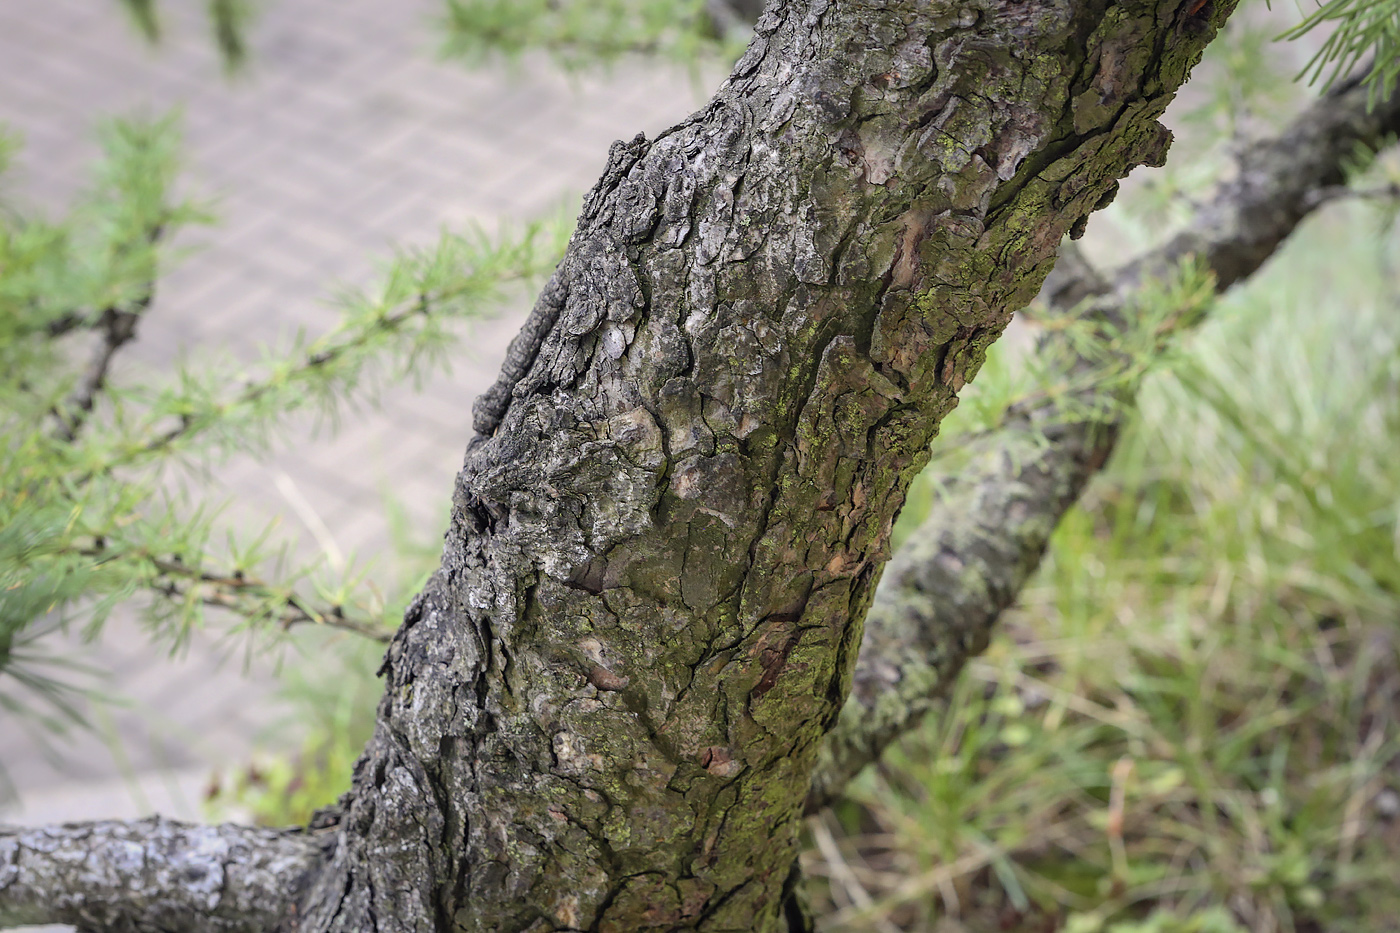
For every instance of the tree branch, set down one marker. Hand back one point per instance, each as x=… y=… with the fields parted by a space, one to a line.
x=155 y=875
x=604 y=708
x=118 y=327
x=250 y=597
x=943 y=592
x=341 y=352
x=65 y=323
x=236 y=591
x=254 y=391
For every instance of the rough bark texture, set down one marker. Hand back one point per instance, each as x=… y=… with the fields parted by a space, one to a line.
x=603 y=711
x=944 y=590
x=153 y=875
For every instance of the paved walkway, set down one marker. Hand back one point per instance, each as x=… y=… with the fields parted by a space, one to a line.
x=345 y=137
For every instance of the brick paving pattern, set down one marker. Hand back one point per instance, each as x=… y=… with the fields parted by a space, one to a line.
x=344 y=137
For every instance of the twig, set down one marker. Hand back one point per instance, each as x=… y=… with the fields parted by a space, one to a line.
x=298 y=612
x=251 y=392
x=233 y=592
x=237 y=592
x=118 y=328
x=65 y=323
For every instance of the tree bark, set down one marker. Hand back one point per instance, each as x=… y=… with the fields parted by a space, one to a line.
x=154 y=875
x=603 y=711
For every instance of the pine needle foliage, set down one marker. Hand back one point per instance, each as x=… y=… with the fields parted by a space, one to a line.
x=93 y=512
x=1356 y=30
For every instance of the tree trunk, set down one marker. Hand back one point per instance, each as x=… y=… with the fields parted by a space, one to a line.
x=603 y=711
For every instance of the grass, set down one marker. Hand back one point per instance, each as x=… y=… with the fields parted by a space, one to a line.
x=1190 y=722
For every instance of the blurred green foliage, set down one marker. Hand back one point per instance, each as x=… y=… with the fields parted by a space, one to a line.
x=584 y=33
x=102 y=498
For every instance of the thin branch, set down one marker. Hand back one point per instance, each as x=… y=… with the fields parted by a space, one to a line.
x=154 y=875
x=239 y=593
x=118 y=328
x=65 y=323
x=941 y=595
x=253 y=391
x=242 y=596
x=256 y=599
x=388 y=321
